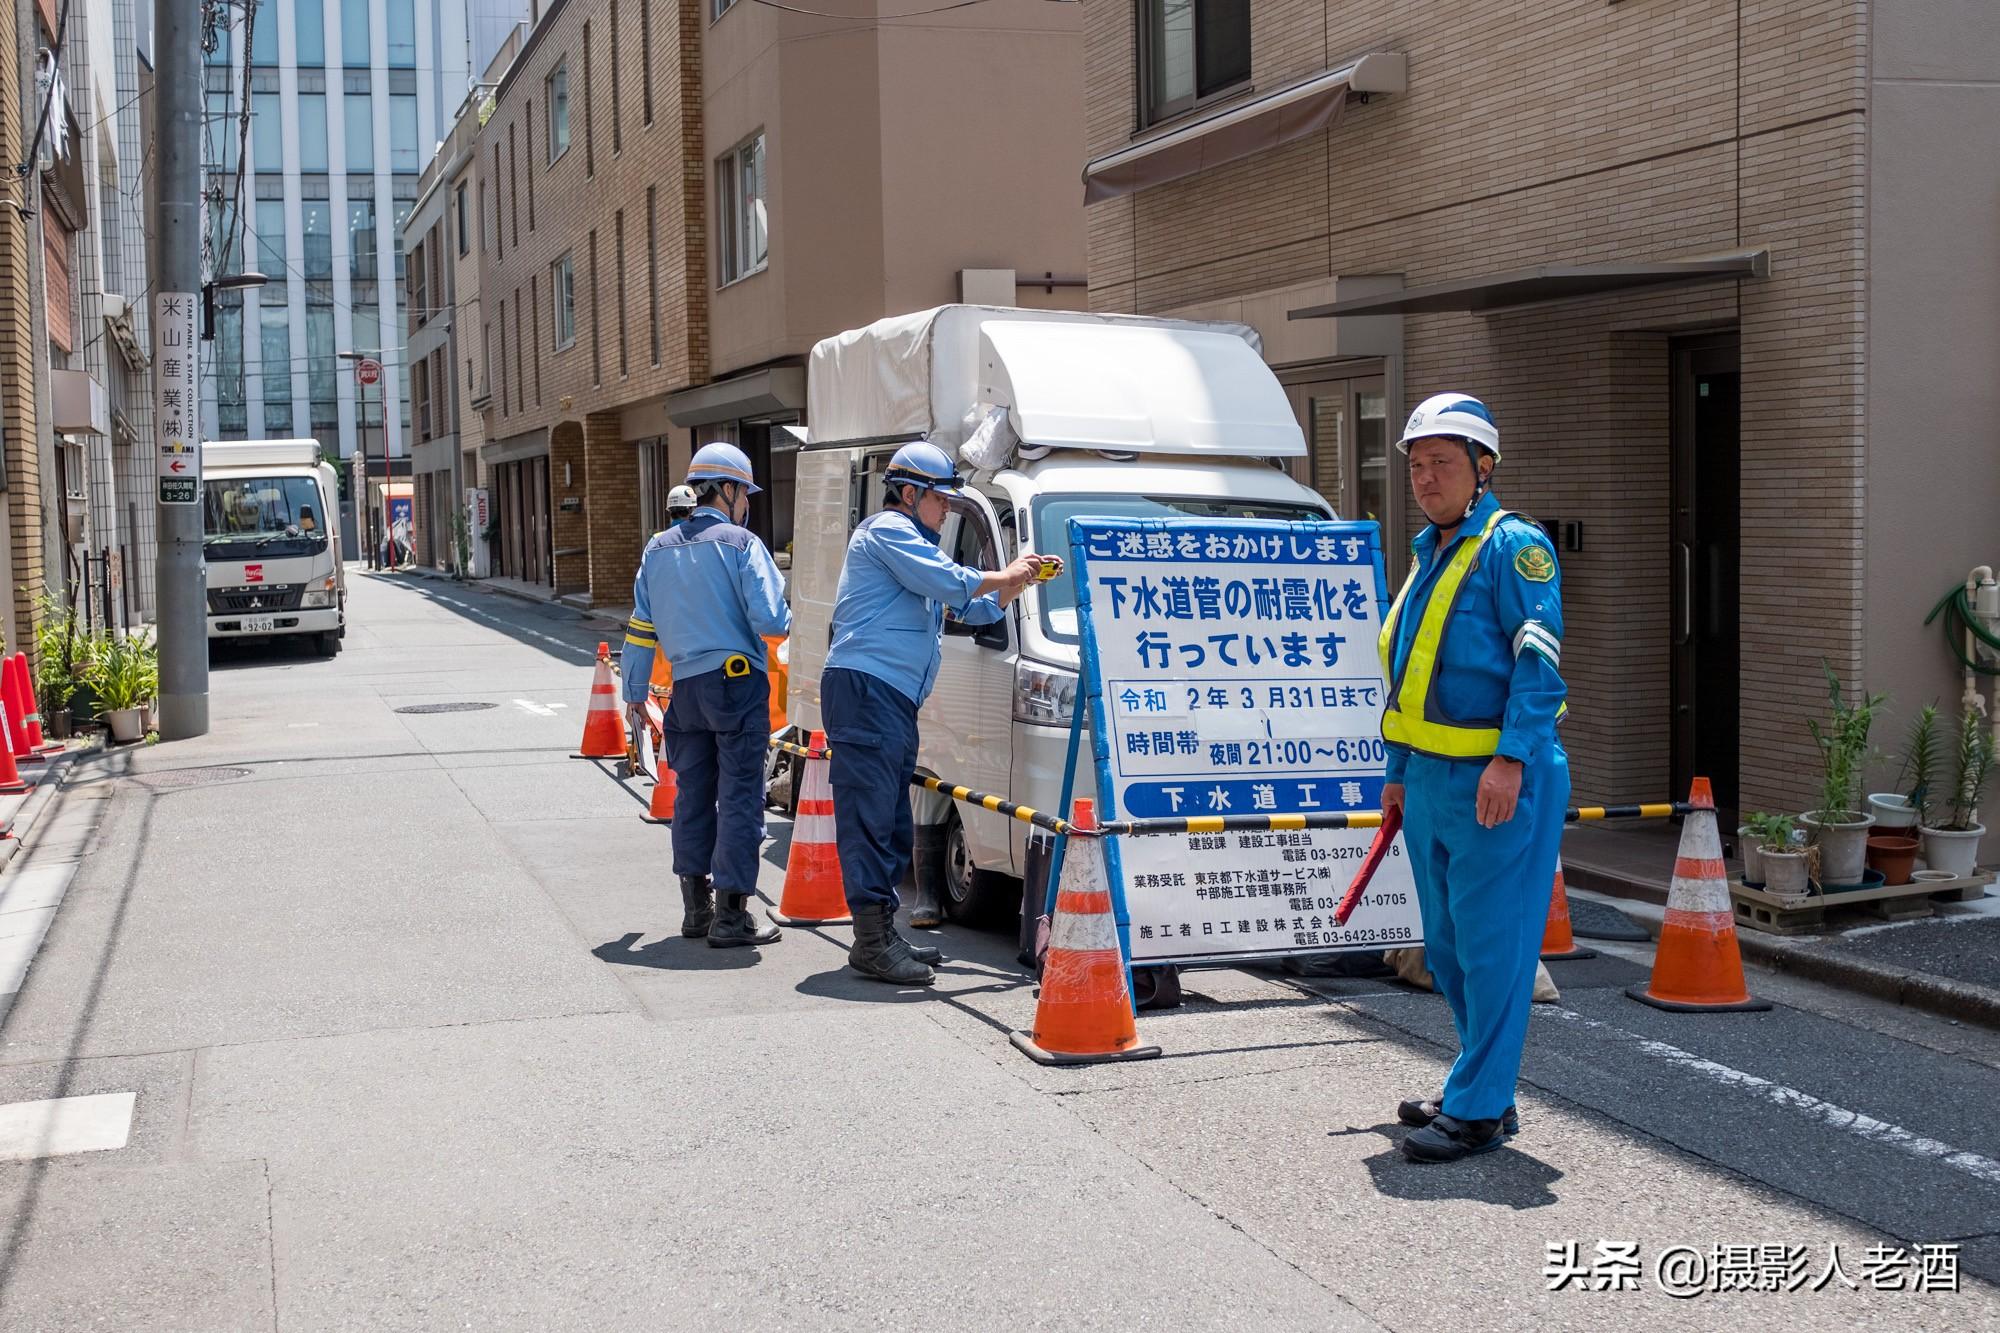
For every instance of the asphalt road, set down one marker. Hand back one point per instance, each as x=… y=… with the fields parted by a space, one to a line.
x=414 y=1044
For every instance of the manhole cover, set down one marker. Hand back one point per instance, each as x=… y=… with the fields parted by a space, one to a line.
x=463 y=706
x=191 y=777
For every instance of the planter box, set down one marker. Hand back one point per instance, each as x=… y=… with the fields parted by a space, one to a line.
x=1757 y=910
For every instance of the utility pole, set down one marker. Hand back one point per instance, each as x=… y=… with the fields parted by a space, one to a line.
x=182 y=576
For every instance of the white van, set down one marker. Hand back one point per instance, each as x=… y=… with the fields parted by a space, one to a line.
x=271 y=541
x=1109 y=415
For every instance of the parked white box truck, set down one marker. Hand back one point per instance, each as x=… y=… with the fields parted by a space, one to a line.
x=1068 y=414
x=271 y=542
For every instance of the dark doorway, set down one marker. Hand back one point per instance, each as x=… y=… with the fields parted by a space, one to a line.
x=1706 y=566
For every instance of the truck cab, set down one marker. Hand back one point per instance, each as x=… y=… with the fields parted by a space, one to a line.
x=271 y=542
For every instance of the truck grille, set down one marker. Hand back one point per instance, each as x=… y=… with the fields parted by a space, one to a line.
x=263 y=597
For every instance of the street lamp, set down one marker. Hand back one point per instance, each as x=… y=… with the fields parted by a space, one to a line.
x=368 y=370
x=227 y=282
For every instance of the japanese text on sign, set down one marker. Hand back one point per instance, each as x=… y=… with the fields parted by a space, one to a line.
x=1235 y=674
x=177 y=399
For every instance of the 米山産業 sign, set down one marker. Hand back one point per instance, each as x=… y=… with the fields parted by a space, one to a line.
x=1231 y=669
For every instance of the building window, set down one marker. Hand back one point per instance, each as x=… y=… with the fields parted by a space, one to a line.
x=312 y=132
x=271 y=255
x=520 y=380
x=274 y=356
x=514 y=184
x=535 y=329
x=359 y=113
x=589 y=121
x=267 y=133
x=618 y=263
x=504 y=401
x=403 y=154
x=741 y=227
x=417 y=293
x=1191 y=50
x=464 y=231
x=596 y=324
x=402 y=34
x=354 y=34
x=653 y=269
x=309 y=22
x=562 y=297
x=364 y=253
x=528 y=114
x=722 y=7
x=264 y=38
x=646 y=58
x=558 y=104
x=617 y=111
x=316 y=217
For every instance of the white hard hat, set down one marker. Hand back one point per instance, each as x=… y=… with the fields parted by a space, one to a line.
x=1457 y=415
x=682 y=497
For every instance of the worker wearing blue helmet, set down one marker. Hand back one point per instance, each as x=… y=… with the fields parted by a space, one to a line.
x=1472 y=649
x=888 y=618
x=706 y=595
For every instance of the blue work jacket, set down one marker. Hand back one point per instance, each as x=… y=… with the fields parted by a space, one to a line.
x=888 y=615
x=706 y=590
x=1500 y=663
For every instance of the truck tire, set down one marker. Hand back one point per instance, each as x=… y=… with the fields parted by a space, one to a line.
x=328 y=642
x=972 y=896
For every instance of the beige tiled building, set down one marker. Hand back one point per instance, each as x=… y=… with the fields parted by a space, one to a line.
x=1716 y=267
x=674 y=201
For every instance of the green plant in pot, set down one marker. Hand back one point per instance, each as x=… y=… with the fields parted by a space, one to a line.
x=1953 y=843
x=1902 y=809
x=1836 y=828
x=61 y=649
x=123 y=676
x=1782 y=857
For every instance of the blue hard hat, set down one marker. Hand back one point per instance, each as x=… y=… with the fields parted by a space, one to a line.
x=721 y=462
x=924 y=464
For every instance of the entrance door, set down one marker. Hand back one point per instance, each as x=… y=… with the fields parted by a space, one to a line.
x=1346 y=422
x=1706 y=560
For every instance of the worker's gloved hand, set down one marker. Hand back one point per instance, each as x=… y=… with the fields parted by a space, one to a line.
x=1392 y=796
x=1499 y=791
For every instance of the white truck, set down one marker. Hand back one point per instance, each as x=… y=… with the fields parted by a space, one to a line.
x=271 y=542
x=1066 y=415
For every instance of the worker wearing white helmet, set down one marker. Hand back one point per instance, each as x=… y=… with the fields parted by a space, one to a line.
x=681 y=504
x=1472 y=649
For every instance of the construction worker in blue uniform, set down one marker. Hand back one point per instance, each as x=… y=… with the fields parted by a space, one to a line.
x=681 y=504
x=888 y=619
x=1472 y=650
x=706 y=595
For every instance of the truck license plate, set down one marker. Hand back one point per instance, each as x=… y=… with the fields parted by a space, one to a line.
x=259 y=624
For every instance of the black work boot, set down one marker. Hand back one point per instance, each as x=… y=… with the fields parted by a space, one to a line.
x=1447 y=1139
x=923 y=953
x=881 y=953
x=734 y=927
x=1421 y=1113
x=926 y=875
x=697 y=906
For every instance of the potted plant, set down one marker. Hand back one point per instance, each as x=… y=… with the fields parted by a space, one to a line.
x=1954 y=844
x=120 y=676
x=56 y=671
x=1903 y=808
x=1836 y=828
x=461 y=544
x=1750 y=847
x=1784 y=859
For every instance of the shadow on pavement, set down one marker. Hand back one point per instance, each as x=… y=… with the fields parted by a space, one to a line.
x=674 y=954
x=1508 y=1178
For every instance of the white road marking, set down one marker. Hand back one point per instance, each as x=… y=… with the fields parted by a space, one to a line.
x=1835 y=1117
x=299 y=726
x=62 y=1125
x=513 y=626
x=530 y=706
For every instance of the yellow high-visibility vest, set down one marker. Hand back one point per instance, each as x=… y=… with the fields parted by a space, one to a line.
x=1411 y=719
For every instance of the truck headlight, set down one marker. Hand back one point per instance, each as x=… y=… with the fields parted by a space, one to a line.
x=325 y=595
x=1043 y=694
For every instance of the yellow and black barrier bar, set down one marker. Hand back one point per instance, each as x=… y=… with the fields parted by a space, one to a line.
x=1341 y=819
x=984 y=800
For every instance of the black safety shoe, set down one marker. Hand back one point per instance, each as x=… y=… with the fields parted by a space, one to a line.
x=1447 y=1138
x=1419 y=1114
x=697 y=906
x=926 y=954
x=879 y=952
x=734 y=927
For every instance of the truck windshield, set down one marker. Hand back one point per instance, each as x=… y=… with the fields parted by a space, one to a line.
x=273 y=516
x=1053 y=513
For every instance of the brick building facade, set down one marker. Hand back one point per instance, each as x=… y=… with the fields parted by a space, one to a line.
x=1508 y=222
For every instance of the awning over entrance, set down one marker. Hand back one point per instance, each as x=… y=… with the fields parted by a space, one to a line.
x=514 y=448
x=1548 y=282
x=760 y=393
x=1235 y=132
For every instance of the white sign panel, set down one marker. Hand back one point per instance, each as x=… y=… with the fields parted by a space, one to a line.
x=1232 y=671
x=177 y=398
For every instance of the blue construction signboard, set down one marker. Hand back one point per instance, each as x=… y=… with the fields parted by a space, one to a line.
x=1230 y=667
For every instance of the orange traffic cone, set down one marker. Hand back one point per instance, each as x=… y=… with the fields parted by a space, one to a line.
x=1558 y=945
x=1085 y=1012
x=603 y=725
x=815 y=894
x=13 y=693
x=36 y=742
x=10 y=773
x=665 y=789
x=1698 y=966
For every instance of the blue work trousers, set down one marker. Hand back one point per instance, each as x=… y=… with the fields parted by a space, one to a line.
x=717 y=730
x=872 y=727
x=1484 y=894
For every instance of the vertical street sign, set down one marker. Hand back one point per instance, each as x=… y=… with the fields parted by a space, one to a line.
x=177 y=398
